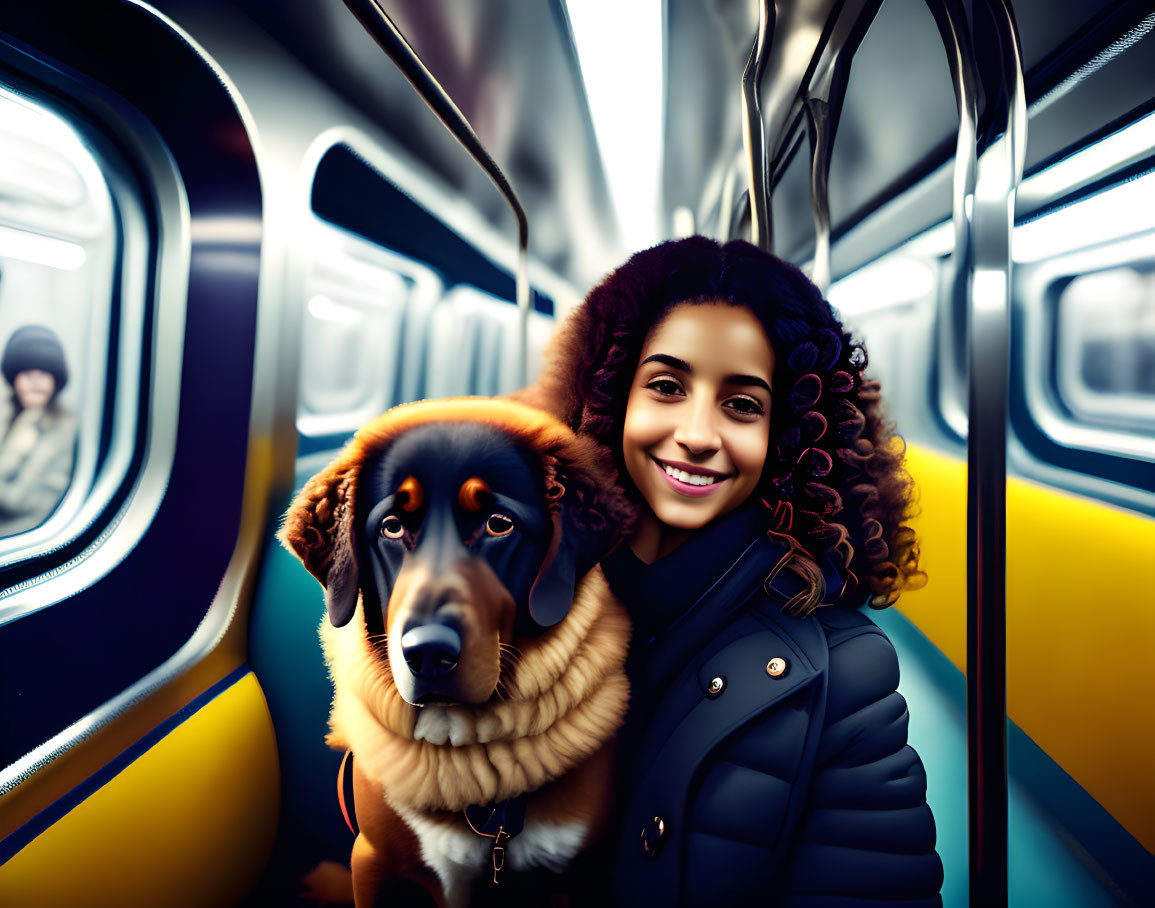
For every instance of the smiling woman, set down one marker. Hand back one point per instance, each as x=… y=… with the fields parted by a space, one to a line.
x=766 y=741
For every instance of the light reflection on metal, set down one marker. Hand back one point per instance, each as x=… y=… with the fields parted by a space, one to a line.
x=729 y=199
x=823 y=108
x=754 y=131
x=984 y=197
x=386 y=34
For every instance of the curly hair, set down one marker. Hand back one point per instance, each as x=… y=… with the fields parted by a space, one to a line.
x=834 y=480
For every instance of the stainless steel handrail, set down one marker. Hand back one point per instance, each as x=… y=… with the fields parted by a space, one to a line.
x=982 y=264
x=375 y=20
x=822 y=123
x=822 y=103
x=1000 y=169
x=754 y=130
x=952 y=24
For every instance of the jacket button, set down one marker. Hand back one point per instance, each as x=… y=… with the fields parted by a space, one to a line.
x=652 y=836
x=716 y=686
x=776 y=667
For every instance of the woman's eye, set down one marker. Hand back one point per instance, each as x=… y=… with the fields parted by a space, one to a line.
x=392 y=527
x=498 y=525
x=665 y=386
x=745 y=407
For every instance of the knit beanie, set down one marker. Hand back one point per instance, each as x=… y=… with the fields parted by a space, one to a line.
x=34 y=347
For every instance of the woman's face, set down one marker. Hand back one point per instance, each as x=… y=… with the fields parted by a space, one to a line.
x=34 y=388
x=697 y=424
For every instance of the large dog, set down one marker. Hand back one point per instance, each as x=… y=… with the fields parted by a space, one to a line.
x=475 y=650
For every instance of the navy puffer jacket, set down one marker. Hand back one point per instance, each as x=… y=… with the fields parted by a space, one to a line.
x=765 y=758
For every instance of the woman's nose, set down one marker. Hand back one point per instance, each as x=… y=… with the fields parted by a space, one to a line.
x=697 y=432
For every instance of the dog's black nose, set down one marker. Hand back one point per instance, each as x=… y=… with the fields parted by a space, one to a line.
x=431 y=650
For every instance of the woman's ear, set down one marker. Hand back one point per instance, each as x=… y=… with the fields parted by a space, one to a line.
x=319 y=529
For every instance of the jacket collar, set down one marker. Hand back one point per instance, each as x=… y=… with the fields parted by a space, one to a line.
x=659 y=594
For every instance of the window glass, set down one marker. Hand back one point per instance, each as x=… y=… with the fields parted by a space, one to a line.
x=473 y=345
x=58 y=242
x=1105 y=354
x=364 y=308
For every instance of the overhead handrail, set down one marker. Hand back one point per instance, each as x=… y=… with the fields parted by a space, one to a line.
x=754 y=130
x=729 y=199
x=982 y=265
x=823 y=106
x=375 y=21
x=952 y=25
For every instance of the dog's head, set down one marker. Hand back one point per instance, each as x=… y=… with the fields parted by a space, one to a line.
x=461 y=525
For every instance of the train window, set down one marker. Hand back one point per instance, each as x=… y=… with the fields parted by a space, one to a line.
x=60 y=244
x=477 y=351
x=1105 y=348
x=365 y=308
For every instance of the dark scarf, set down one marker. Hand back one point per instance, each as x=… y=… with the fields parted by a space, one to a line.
x=659 y=595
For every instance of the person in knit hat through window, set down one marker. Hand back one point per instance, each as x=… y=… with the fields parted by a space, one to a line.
x=38 y=440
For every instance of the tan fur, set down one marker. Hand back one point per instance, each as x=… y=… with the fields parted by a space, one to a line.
x=538 y=715
x=567 y=696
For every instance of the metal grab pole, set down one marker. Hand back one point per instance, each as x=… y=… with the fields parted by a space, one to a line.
x=754 y=131
x=375 y=20
x=999 y=172
x=982 y=264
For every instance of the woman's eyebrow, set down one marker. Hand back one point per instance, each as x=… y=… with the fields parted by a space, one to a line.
x=666 y=360
x=748 y=380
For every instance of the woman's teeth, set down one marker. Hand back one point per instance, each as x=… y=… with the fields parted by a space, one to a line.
x=694 y=479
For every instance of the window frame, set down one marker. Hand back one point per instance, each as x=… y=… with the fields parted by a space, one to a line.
x=110 y=362
x=1040 y=287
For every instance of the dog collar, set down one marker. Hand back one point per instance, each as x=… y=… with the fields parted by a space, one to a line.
x=500 y=822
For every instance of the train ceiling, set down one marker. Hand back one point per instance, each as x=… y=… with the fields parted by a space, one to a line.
x=512 y=68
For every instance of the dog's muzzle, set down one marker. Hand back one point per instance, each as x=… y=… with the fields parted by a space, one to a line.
x=431 y=650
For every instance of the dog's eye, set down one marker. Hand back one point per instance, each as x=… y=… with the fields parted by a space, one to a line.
x=498 y=525
x=392 y=527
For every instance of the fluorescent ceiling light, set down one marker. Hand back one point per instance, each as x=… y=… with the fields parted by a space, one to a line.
x=890 y=281
x=1111 y=215
x=325 y=310
x=1109 y=154
x=40 y=250
x=619 y=48
x=932 y=243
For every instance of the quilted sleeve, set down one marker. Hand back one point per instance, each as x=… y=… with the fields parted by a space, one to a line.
x=867 y=835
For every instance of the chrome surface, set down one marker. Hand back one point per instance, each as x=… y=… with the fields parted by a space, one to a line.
x=386 y=34
x=1032 y=284
x=754 y=131
x=512 y=70
x=122 y=534
x=823 y=108
x=950 y=18
x=1000 y=169
x=133 y=520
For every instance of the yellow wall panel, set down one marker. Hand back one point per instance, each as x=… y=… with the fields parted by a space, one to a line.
x=1080 y=627
x=190 y=822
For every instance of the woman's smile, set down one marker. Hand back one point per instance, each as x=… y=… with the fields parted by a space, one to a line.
x=689 y=480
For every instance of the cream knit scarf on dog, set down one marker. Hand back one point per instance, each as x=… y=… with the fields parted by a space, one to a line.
x=565 y=695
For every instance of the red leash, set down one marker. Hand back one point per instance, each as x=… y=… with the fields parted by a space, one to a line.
x=346 y=761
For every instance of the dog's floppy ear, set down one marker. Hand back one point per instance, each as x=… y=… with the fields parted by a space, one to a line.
x=552 y=593
x=319 y=529
x=589 y=516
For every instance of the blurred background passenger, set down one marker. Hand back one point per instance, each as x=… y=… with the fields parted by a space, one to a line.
x=38 y=441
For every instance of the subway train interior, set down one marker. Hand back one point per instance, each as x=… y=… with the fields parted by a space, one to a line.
x=239 y=232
